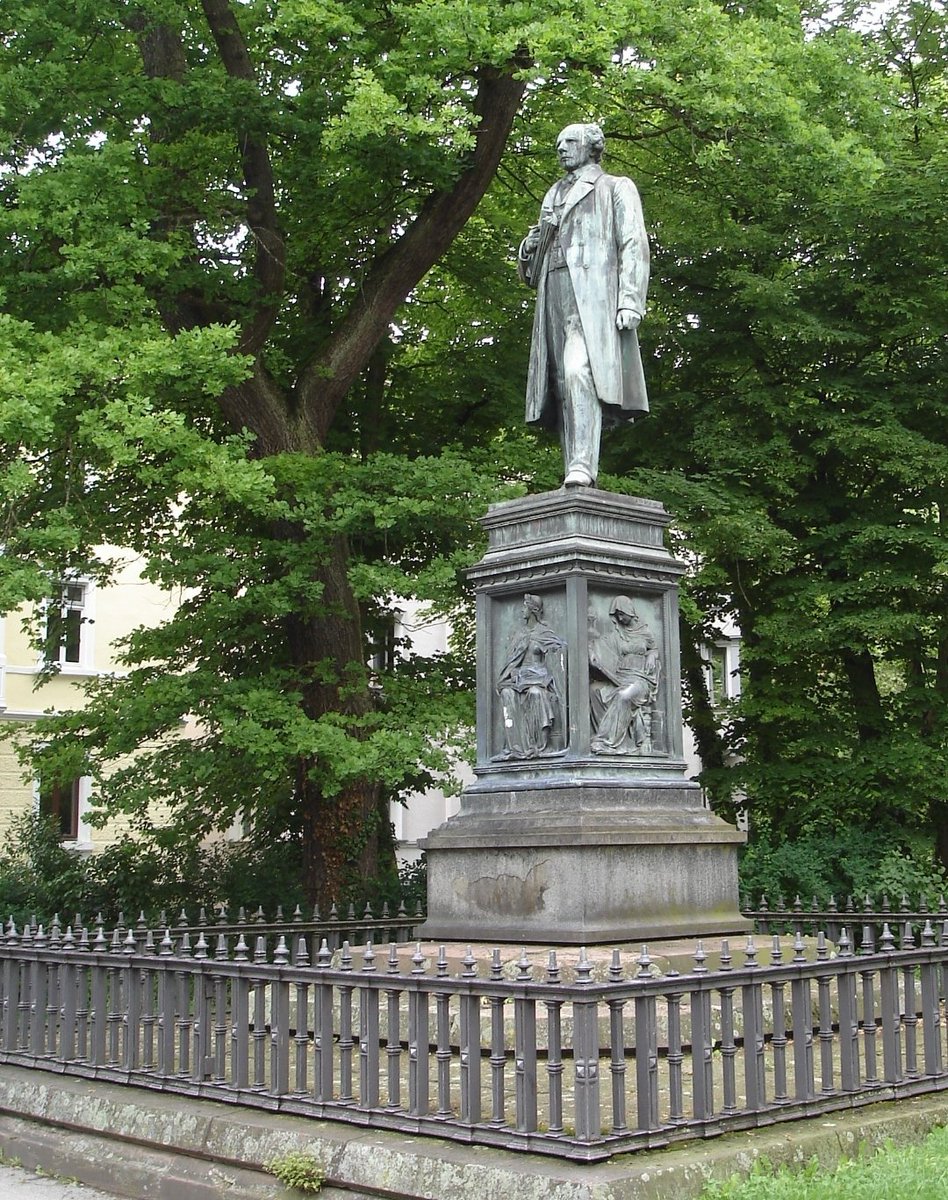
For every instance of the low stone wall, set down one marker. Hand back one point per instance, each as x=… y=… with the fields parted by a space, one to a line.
x=137 y=1142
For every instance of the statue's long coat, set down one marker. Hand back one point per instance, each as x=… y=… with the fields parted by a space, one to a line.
x=602 y=232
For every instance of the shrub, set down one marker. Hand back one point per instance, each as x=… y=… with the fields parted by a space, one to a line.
x=38 y=875
x=298 y=1170
x=854 y=862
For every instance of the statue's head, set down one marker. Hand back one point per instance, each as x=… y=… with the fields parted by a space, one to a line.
x=533 y=604
x=578 y=145
x=623 y=606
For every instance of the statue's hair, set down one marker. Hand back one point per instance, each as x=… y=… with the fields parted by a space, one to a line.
x=593 y=136
x=533 y=603
x=595 y=140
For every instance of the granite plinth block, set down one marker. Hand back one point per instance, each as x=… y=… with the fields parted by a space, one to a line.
x=600 y=885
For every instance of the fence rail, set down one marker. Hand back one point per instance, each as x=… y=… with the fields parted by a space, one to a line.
x=573 y=1056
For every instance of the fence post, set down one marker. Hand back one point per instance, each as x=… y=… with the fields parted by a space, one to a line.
x=443 y=1043
x=525 y=1051
x=498 y=1044
x=133 y=1007
x=368 y=1034
x=586 y=1054
x=393 y=1047
x=701 y=1042
x=752 y=1007
x=848 y=1023
x=280 y=1022
x=98 y=1016
x=646 y=1049
x=470 y=1047
x=419 y=1102
x=617 y=1068
x=346 y=1042
x=322 y=1028
x=801 y=1000
x=11 y=992
x=928 y=987
x=554 y=1047
x=728 y=1040
x=38 y=983
x=910 y=1005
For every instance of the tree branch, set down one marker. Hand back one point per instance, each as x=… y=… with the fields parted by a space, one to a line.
x=269 y=267
x=328 y=377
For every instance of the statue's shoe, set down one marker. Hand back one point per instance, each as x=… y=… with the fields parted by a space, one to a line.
x=578 y=477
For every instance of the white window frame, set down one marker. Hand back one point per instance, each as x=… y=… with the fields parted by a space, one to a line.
x=86 y=607
x=729 y=648
x=83 y=838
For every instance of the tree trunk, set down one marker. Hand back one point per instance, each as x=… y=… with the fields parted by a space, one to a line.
x=340 y=831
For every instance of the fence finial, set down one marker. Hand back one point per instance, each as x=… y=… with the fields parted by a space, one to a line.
x=553 y=969
x=615 y=966
x=750 y=953
x=469 y=965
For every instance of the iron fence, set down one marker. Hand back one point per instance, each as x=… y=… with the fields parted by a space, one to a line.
x=867 y=916
x=563 y=1054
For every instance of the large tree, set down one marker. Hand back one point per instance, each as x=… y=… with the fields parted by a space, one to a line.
x=802 y=400
x=258 y=329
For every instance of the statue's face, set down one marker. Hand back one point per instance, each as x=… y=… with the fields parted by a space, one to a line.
x=572 y=149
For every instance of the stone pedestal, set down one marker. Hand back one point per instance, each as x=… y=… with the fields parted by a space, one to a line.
x=581 y=826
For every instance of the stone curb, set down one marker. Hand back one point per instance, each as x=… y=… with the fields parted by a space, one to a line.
x=143 y=1144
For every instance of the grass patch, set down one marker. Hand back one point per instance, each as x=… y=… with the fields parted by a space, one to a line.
x=894 y=1173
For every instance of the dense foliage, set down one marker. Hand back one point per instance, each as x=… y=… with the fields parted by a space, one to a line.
x=261 y=324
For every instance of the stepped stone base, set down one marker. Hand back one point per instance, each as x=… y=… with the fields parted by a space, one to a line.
x=580 y=873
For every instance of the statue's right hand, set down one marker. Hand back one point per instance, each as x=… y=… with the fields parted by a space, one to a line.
x=532 y=240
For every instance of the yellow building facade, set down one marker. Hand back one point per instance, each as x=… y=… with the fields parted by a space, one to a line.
x=81 y=625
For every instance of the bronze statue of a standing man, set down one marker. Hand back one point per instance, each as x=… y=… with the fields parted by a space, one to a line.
x=588 y=259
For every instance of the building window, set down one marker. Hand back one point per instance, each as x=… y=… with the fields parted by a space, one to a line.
x=384 y=642
x=722 y=666
x=67 y=625
x=60 y=802
x=717 y=673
